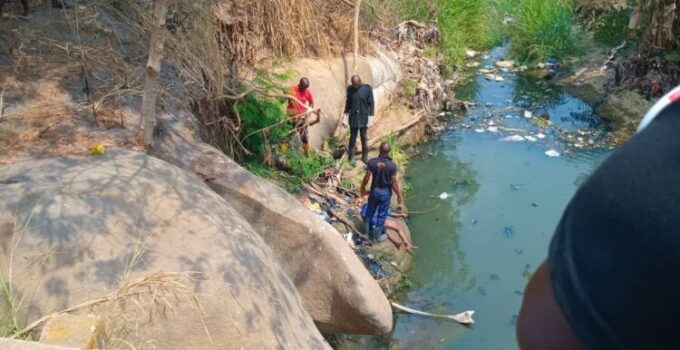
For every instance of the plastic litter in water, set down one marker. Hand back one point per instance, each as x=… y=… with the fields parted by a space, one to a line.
x=508 y=116
x=508 y=231
x=540 y=135
x=531 y=138
x=493 y=129
x=513 y=138
x=528 y=114
x=499 y=78
x=444 y=196
x=552 y=153
x=479 y=130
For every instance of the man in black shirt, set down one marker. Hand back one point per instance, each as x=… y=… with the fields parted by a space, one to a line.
x=611 y=280
x=384 y=174
x=359 y=111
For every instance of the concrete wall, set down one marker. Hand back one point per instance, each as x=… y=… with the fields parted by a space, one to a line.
x=329 y=79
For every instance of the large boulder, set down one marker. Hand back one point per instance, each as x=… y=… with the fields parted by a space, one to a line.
x=149 y=247
x=336 y=288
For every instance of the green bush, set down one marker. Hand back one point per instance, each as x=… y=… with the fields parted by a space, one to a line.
x=543 y=28
x=303 y=169
x=612 y=28
x=257 y=114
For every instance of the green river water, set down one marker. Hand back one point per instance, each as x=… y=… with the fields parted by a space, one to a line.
x=480 y=246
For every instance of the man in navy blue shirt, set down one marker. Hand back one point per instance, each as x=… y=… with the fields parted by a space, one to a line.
x=383 y=175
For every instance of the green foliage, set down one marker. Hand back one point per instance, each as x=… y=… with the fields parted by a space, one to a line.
x=672 y=57
x=543 y=28
x=260 y=113
x=612 y=28
x=303 y=169
x=419 y=10
x=410 y=86
x=405 y=282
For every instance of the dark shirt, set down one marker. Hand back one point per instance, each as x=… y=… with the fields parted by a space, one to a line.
x=359 y=105
x=382 y=169
x=615 y=257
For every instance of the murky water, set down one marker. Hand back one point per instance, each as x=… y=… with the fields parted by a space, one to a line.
x=479 y=246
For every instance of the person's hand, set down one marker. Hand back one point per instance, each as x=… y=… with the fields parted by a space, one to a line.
x=345 y=120
x=399 y=199
x=371 y=121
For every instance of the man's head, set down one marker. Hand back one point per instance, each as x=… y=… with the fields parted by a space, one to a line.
x=304 y=84
x=356 y=81
x=385 y=149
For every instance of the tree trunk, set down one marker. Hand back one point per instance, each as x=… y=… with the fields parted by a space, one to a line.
x=663 y=31
x=357 y=11
x=153 y=70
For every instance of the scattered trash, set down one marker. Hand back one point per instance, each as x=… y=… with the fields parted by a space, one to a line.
x=528 y=114
x=491 y=123
x=499 y=78
x=531 y=138
x=444 y=196
x=509 y=231
x=479 y=130
x=534 y=205
x=349 y=238
x=394 y=263
x=470 y=54
x=472 y=64
x=486 y=71
x=486 y=57
x=513 y=138
x=540 y=135
x=552 y=153
x=515 y=188
x=508 y=116
x=97 y=149
x=473 y=221
x=493 y=129
x=508 y=19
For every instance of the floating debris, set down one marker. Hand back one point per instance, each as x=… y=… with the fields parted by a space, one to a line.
x=552 y=153
x=493 y=129
x=486 y=71
x=515 y=187
x=531 y=138
x=505 y=64
x=528 y=114
x=480 y=130
x=444 y=196
x=513 y=138
x=509 y=231
x=470 y=54
x=540 y=135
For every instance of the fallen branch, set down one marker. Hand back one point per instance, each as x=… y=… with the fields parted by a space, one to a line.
x=408 y=125
x=462 y=318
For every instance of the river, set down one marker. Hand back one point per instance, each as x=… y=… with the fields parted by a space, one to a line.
x=496 y=205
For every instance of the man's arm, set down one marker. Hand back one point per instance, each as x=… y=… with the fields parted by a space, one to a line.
x=310 y=98
x=367 y=178
x=395 y=188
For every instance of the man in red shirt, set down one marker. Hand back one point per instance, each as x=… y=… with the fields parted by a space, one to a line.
x=295 y=109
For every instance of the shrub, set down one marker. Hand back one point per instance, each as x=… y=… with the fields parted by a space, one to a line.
x=257 y=114
x=612 y=28
x=543 y=28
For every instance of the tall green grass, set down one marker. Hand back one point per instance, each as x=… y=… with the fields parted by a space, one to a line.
x=543 y=28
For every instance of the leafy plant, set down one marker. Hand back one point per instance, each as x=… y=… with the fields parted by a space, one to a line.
x=612 y=28
x=410 y=86
x=405 y=282
x=263 y=123
x=543 y=28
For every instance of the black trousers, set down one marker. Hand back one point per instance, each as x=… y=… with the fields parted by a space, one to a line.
x=23 y=2
x=353 y=140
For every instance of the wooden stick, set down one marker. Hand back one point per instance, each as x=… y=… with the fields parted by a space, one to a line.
x=462 y=318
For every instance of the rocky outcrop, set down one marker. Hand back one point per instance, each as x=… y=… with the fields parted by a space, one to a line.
x=335 y=287
x=149 y=245
x=329 y=79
